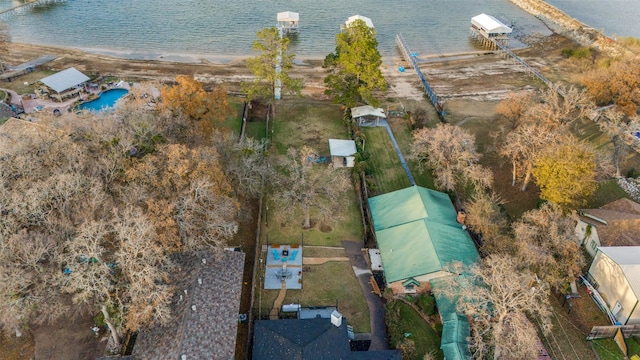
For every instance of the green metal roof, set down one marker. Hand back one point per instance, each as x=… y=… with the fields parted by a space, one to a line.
x=417 y=233
x=455 y=326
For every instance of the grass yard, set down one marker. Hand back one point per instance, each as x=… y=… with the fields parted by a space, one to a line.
x=567 y=339
x=318 y=251
x=402 y=319
x=403 y=134
x=606 y=192
x=387 y=170
x=327 y=285
x=31 y=78
x=344 y=225
x=307 y=122
x=608 y=349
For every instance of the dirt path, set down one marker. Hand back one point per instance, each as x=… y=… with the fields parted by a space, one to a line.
x=321 y=260
x=277 y=304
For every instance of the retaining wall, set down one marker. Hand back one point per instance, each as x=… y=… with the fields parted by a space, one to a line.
x=563 y=24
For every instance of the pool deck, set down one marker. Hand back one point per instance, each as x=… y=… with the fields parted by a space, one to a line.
x=35 y=105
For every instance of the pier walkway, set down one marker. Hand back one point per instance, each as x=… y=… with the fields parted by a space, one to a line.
x=527 y=67
x=5 y=14
x=411 y=59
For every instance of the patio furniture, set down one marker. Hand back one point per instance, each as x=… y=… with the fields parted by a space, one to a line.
x=275 y=254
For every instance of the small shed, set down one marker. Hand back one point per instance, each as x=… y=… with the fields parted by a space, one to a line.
x=367 y=115
x=615 y=272
x=64 y=84
x=288 y=21
x=353 y=18
x=342 y=152
x=487 y=29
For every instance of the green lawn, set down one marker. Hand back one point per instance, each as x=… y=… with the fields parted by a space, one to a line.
x=18 y=84
x=326 y=285
x=403 y=134
x=387 y=170
x=403 y=320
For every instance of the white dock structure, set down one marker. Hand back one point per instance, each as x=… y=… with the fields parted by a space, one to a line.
x=488 y=31
x=288 y=22
x=353 y=18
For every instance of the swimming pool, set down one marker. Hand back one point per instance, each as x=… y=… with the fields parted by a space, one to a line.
x=106 y=100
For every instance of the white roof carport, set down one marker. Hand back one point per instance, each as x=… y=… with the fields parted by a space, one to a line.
x=359 y=17
x=65 y=79
x=288 y=16
x=490 y=24
x=339 y=147
x=367 y=110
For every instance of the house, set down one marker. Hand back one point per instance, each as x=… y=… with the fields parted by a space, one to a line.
x=615 y=272
x=614 y=224
x=418 y=236
x=367 y=115
x=342 y=152
x=205 y=310
x=64 y=84
x=310 y=339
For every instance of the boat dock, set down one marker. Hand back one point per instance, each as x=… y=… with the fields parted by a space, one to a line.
x=411 y=59
x=5 y=14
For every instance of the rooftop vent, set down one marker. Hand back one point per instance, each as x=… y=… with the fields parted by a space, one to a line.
x=193 y=307
x=199 y=281
x=204 y=261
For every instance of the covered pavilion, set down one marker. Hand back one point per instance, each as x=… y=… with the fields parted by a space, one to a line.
x=487 y=29
x=64 y=84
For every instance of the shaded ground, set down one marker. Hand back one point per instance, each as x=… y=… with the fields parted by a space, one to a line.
x=70 y=339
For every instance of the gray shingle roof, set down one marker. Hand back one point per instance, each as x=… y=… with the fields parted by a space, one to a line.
x=210 y=331
x=309 y=339
x=65 y=79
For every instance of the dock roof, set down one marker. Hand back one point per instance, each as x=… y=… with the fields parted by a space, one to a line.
x=490 y=24
x=353 y=18
x=288 y=16
x=65 y=79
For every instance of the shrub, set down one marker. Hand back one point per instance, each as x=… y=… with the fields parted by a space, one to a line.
x=427 y=304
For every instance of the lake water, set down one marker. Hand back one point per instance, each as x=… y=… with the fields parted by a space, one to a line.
x=152 y=29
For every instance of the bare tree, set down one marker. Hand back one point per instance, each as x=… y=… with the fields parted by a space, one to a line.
x=304 y=185
x=514 y=108
x=523 y=146
x=498 y=296
x=450 y=152
x=618 y=128
x=485 y=218
x=561 y=106
x=206 y=218
x=548 y=245
x=245 y=162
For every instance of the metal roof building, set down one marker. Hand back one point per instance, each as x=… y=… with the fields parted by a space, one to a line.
x=418 y=234
x=489 y=30
x=65 y=79
x=288 y=21
x=342 y=152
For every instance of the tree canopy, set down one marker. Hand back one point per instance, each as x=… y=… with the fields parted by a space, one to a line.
x=450 y=152
x=304 y=185
x=355 y=67
x=565 y=173
x=618 y=84
x=273 y=53
x=499 y=296
x=99 y=195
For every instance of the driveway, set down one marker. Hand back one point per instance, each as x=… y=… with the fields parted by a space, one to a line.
x=379 y=340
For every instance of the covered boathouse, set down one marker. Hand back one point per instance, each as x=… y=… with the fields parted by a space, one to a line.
x=488 y=30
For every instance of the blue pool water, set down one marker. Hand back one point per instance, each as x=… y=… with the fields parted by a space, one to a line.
x=106 y=100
